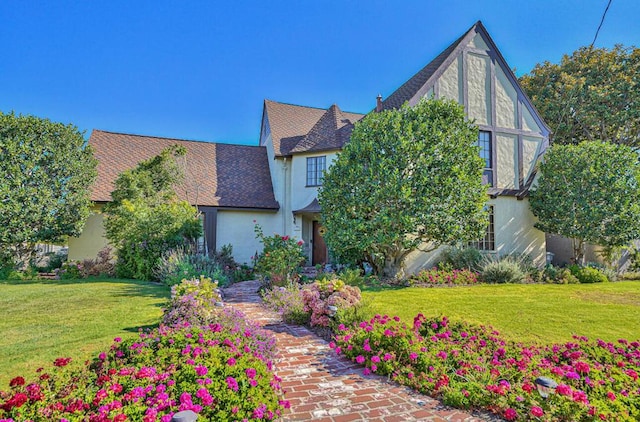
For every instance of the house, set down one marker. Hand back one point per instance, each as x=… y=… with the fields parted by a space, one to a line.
x=276 y=183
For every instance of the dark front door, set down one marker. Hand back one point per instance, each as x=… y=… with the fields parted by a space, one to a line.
x=319 y=247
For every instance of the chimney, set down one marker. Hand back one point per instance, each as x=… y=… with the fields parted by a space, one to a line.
x=379 y=103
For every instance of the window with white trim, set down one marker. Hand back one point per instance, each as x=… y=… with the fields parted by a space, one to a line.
x=316 y=167
x=488 y=242
x=486 y=153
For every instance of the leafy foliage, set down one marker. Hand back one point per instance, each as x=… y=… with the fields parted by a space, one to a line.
x=461 y=258
x=145 y=217
x=588 y=275
x=183 y=263
x=221 y=368
x=474 y=367
x=280 y=259
x=407 y=177
x=588 y=192
x=502 y=270
x=46 y=171
x=443 y=276
x=591 y=95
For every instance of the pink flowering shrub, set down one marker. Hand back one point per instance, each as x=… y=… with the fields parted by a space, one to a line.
x=473 y=367
x=217 y=364
x=435 y=276
x=323 y=303
x=214 y=371
x=320 y=297
x=287 y=301
x=280 y=259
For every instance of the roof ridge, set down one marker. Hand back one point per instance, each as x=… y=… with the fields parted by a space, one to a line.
x=312 y=107
x=173 y=139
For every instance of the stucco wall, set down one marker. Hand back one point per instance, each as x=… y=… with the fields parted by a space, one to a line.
x=91 y=241
x=530 y=150
x=514 y=233
x=236 y=228
x=507 y=160
x=301 y=195
x=528 y=122
x=450 y=83
x=506 y=101
x=479 y=88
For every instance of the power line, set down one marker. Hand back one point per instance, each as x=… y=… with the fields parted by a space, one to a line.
x=600 y=26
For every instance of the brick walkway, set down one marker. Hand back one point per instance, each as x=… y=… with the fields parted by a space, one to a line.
x=322 y=386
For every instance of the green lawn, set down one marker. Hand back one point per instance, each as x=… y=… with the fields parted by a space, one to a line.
x=531 y=313
x=43 y=320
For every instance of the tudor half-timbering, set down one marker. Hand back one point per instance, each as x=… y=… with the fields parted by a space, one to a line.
x=277 y=182
x=512 y=135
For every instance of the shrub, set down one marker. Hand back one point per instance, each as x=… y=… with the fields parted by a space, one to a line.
x=462 y=258
x=287 y=301
x=181 y=262
x=212 y=371
x=220 y=368
x=352 y=276
x=280 y=259
x=502 y=270
x=323 y=303
x=556 y=275
x=588 y=275
x=193 y=301
x=324 y=298
x=435 y=276
x=242 y=272
x=474 y=367
x=103 y=264
x=70 y=271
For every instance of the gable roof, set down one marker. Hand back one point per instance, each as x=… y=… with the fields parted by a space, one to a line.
x=219 y=175
x=413 y=86
x=417 y=86
x=297 y=129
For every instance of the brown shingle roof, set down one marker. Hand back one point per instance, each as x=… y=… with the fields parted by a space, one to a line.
x=296 y=129
x=221 y=175
x=331 y=132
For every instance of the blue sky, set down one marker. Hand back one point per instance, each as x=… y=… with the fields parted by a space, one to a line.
x=201 y=69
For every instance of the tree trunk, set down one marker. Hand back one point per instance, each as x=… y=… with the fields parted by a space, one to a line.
x=394 y=265
x=578 y=251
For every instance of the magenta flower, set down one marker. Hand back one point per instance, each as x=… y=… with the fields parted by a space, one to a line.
x=510 y=414
x=536 y=411
x=360 y=359
x=232 y=383
x=251 y=373
x=201 y=370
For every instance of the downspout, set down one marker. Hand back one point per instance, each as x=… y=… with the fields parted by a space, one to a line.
x=284 y=199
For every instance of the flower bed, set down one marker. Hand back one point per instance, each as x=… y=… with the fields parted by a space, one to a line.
x=221 y=371
x=322 y=303
x=473 y=367
x=439 y=277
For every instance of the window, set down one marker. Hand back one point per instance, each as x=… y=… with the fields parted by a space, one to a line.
x=488 y=242
x=484 y=142
x=315 y=170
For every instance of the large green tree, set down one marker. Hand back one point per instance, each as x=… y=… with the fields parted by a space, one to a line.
x=46 y=171
x=590 y=193
x=408 y=179
x=146 y=218
x=594 y=94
